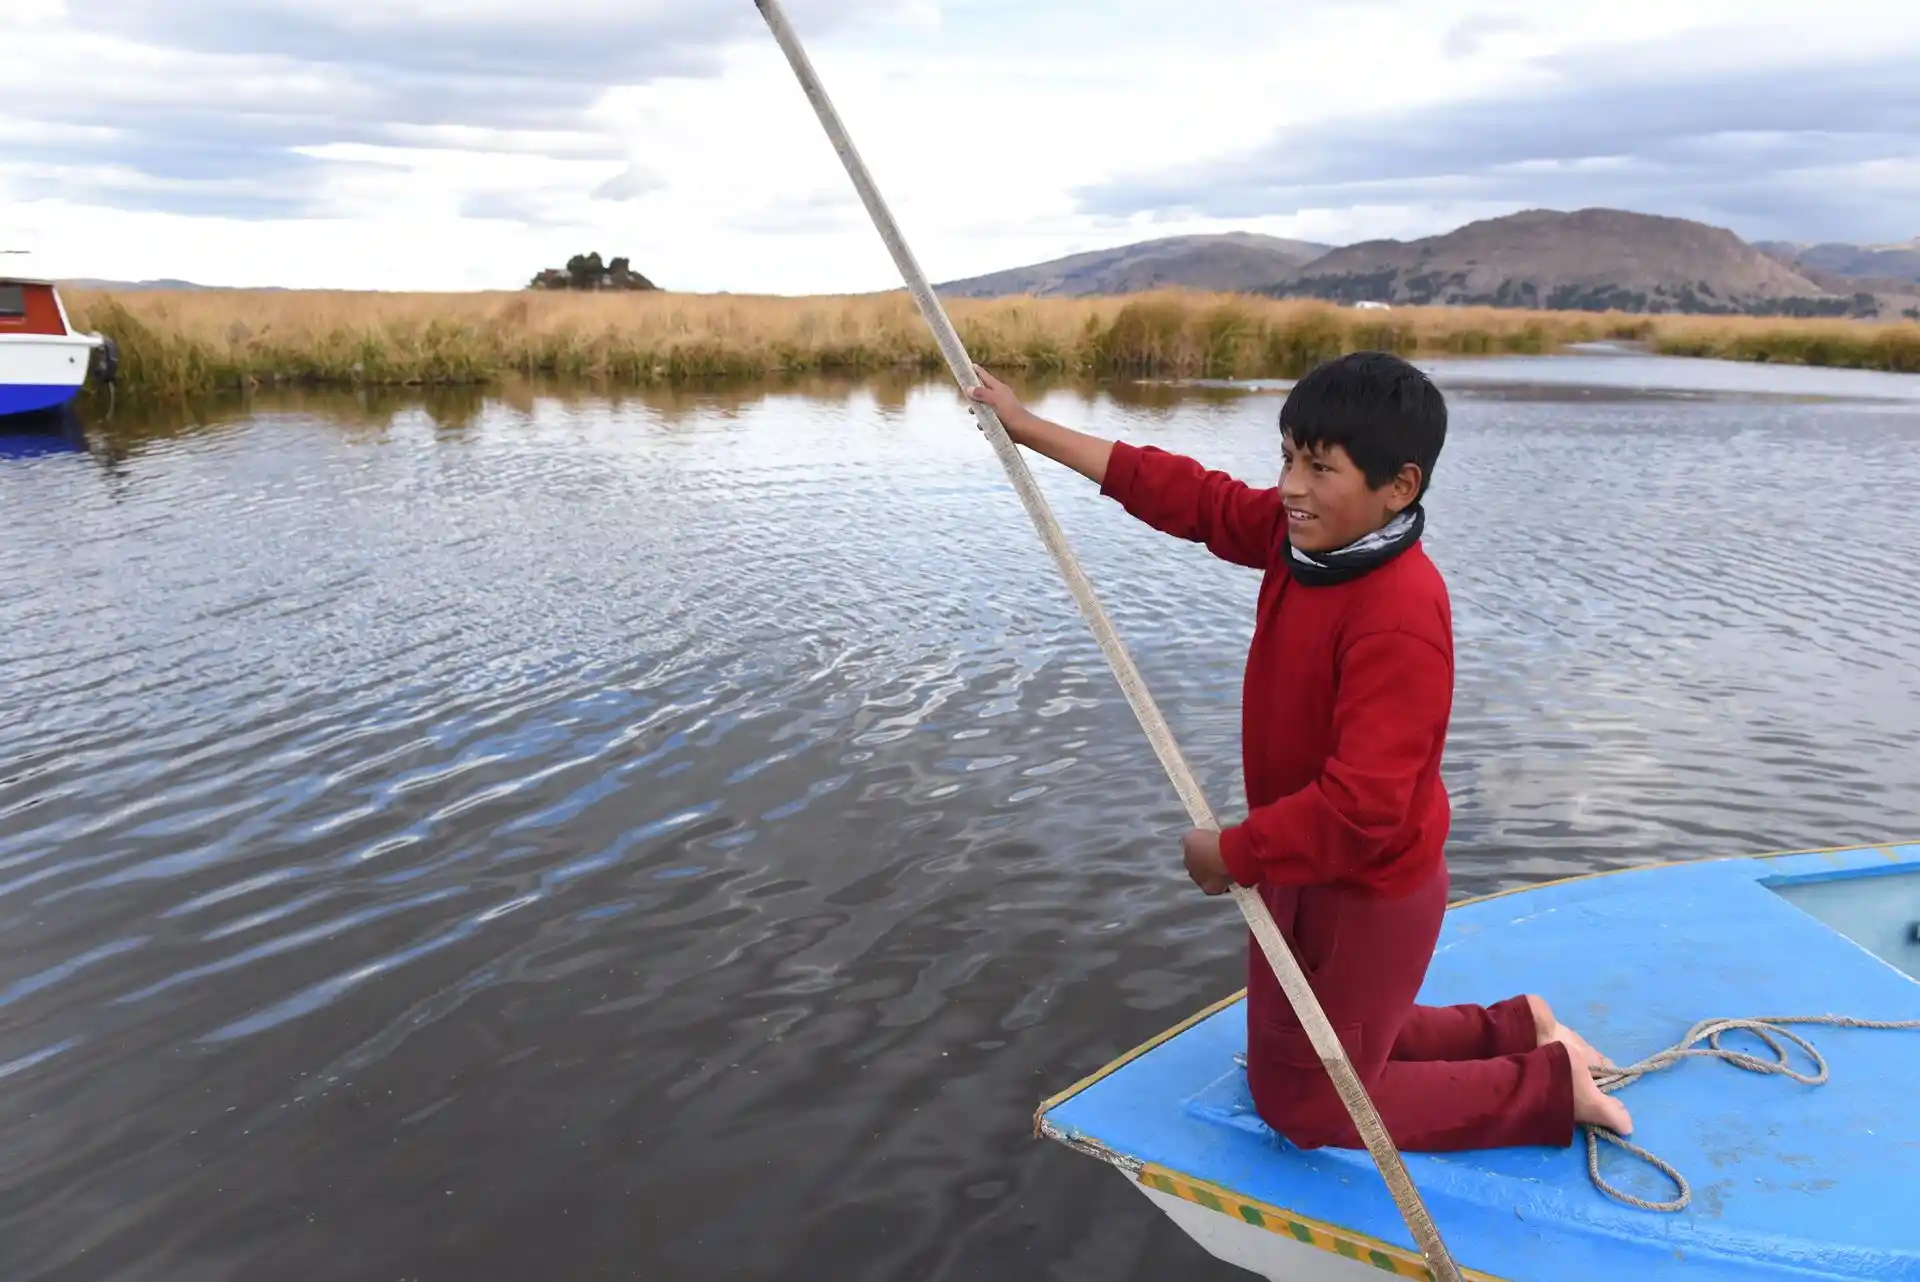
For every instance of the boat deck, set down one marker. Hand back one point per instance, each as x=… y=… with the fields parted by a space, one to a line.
x=1788 y=1180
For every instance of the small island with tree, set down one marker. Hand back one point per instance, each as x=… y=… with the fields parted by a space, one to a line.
x=586 y=271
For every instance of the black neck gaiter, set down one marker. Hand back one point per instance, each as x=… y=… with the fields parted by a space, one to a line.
x=1317 y=569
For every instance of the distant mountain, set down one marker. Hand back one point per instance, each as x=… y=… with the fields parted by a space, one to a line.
x=1899 y=262
x=134 y=286
x=1591 y=260
x=1232 y=261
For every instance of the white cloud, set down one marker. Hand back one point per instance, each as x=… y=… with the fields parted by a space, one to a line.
x=631 y=183
x=464 y=143
x=232 y=106
x=1732 y=130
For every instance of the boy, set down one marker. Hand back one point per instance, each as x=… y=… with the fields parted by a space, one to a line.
x=1346 y=700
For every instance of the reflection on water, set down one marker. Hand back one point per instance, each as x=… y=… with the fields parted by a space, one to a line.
x=545 y=833
x=117 y=432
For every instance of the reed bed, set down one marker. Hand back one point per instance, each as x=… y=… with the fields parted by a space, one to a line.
x=182 y=344
x=1843 y=343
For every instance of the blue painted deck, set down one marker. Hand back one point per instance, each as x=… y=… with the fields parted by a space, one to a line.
x=1789 y=1181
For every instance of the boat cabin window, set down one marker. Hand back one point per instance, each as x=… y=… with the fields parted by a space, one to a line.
x=13 y=302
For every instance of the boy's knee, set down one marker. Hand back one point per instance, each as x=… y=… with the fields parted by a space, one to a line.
x=1307 y=1113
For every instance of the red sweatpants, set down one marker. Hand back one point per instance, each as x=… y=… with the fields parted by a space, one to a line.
x=1442 y=1077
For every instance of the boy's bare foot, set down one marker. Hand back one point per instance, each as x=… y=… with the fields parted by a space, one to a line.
x=1597 y=1108
x=1591 y=1105
x=1548 y=1029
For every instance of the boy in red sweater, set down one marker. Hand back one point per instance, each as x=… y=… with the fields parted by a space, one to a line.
x=1345 y=704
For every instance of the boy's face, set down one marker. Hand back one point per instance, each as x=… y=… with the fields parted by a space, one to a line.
x=1329 y=503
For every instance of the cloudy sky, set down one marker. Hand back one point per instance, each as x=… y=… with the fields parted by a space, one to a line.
x=461 y=144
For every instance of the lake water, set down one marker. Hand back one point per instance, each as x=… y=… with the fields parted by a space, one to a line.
x=683 y=836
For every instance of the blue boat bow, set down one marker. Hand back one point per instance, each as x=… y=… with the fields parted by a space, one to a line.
x=1788 y=1179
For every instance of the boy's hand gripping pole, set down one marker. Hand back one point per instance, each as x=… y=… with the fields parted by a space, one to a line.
x=1314 y=1020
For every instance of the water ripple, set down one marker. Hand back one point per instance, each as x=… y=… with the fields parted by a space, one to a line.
x=685 y=836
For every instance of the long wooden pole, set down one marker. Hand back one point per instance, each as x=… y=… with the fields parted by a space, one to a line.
x=1306 y=1006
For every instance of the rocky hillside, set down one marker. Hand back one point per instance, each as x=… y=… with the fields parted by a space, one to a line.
x=1591 y=259
x=1867 y=262
x=1234 y=262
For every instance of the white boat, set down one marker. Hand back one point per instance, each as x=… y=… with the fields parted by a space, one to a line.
x=43 y=362
x=1785 y=1177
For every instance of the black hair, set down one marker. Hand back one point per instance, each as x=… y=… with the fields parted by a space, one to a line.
x=1382 y=411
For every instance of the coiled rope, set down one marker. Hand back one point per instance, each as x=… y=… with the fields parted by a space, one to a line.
x=1768 y=1029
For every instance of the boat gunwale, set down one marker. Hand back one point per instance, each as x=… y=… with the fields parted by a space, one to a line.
x=68 y=339
x=1381 y=1255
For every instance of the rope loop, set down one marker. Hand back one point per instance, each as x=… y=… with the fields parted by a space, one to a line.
x=1769 y=1029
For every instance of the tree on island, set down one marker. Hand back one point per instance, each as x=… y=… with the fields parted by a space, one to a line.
x=586 y=271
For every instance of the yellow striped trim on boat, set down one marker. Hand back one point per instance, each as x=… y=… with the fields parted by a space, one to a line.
x=1392 y=1260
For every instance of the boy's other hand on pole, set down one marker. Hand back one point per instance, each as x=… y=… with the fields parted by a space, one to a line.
x=1205 y=864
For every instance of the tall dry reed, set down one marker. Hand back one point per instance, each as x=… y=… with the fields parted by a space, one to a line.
x=178 y=344
x=1849 y=344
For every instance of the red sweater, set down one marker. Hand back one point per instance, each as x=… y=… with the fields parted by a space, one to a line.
x=1347 y=693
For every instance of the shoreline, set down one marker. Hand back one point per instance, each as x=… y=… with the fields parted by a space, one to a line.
x=175 y=345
